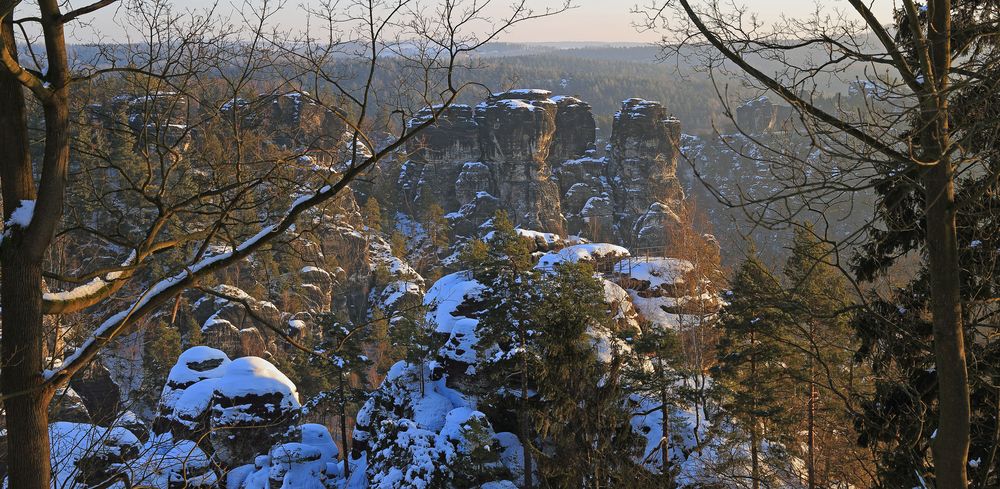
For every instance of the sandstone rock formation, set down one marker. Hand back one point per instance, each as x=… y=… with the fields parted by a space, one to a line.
x=642 y=169
x=517 y=133
x=533 y=155
x=760 y=115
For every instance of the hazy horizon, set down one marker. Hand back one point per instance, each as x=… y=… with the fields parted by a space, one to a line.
x=591 y=21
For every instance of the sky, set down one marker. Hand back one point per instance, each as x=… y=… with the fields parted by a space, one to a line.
x=589 y=21
x=613 y=20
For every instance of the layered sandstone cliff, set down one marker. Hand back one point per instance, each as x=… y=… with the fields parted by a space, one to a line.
x=533 y=155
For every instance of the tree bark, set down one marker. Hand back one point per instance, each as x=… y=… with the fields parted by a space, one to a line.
x=343 y=430
x=811 y=419
x=665 y=429
x=951 y=445
x=21 y=375
x=811 y=414
x=22 y=347
x=754 y=436
x=525 y=425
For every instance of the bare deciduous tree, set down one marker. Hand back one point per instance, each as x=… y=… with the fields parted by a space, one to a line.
x=211 y=216
x=898 y=133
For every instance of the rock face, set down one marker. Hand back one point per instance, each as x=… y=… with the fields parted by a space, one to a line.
x=533 y=155
x=231 y=408
x=760 y=115
x=292 y=119
x=438 y=156
x=642 y=167
x=517 y=131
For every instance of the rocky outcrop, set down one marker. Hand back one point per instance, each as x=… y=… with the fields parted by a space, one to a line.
x=575 y=129
x=98 y=392
x=252 y=406
x=438 y=155
x=293 y=119
x=229 y=408
x=533 y=155
x=642 y=170
x=501 y=154
x=760 y=115
x=517 y=131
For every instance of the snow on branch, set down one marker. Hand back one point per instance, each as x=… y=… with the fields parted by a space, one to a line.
x=169 y=287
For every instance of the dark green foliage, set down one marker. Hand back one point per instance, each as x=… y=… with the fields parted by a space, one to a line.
x=161 y=347
x=895 y=331
x=751 y=377
x=412 y=334
x=372 y=214
x=750 y=352
x=581 y=416
x=818 y=300
x=504 y=266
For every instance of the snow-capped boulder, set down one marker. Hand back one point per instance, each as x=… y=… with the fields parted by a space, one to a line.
x=253 y=403
x=166 y=463
x=311 y=463
x=234 y=408
x=451 y=300
x=193 y=365
x=415 y=432
x=88 y=455
x=601 y=255
x=223 y=322
x=67 y=405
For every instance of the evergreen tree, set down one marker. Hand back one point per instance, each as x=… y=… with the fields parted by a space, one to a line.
x=437 y=226
x=398 y=243
x=663 y=347
x=343 y=348
x=372 y=212
x=816 y=300
x=504 y=266
x=750 y=374
x=413 y=334
x=580 y=417
x=161 y=347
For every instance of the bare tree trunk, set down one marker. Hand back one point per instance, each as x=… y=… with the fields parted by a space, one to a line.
x=811 y=420
x=754 y=436
x=951 y=446
x=754 y=456
x=22 y=351
x=343 y=431
x=811 y=413
x=525 y=427
x=665 y=430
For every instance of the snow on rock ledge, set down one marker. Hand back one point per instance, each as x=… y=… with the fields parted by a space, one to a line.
x=244 y=404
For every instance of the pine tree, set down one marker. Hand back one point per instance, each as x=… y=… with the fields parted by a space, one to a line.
x=161 y=347
x=413 y=335
x=817 y=298
x=663 y=347
x=398 y=244
x=580 y=414
x=372 y=212
x=504 y=266
x=437 y=226
x=750 y=375
x=343 y=348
